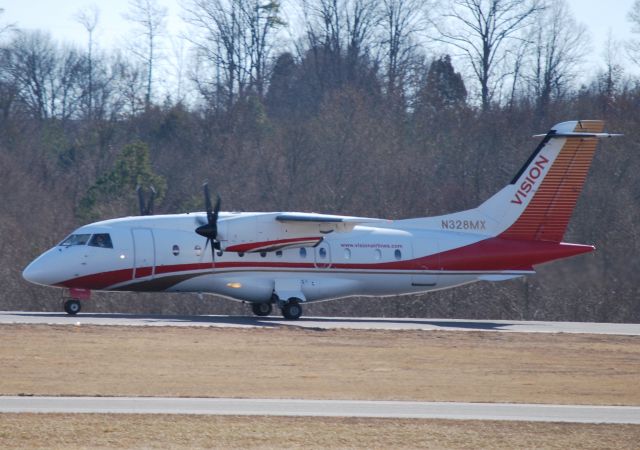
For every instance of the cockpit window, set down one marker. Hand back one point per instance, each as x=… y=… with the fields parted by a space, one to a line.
x=101 y=240
x=75 y=239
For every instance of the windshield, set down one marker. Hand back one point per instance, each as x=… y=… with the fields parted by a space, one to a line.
x=75 y=239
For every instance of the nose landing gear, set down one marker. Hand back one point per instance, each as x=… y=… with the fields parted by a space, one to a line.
x=72 y=299
x=72 y=306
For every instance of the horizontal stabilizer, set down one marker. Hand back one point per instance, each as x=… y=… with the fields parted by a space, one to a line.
x=583 y=135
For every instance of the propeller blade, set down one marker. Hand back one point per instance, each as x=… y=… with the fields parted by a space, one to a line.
x=141 y=200
x=146 y=209
x=210 y=228
x=207 y=201
x=213 y=250
x=149 y=210
x=216 y=211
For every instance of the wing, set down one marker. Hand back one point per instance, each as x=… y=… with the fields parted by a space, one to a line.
x=278 y=231
x=314 y=218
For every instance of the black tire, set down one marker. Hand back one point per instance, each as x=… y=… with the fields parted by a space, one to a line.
x=292 y=310
x=261 y=309
x=72 y=307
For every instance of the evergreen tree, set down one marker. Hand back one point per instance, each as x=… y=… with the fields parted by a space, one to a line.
x=114 y=192
x=443 y=87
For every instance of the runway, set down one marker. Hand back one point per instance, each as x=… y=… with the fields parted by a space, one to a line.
x=21 y=317
x=323 y=408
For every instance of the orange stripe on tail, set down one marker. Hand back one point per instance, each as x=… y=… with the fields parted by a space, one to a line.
x=547 y=215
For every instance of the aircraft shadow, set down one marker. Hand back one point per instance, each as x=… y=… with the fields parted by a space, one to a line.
x=271 y=321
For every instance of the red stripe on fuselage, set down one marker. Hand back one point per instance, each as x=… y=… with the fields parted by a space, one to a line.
x=99 y=280
x=142 y=272
x=494 y=254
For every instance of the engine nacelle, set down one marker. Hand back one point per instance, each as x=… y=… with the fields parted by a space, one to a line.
x=262 y=233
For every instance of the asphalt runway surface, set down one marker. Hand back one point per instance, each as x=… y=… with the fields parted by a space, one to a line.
x=60 y=318
x=323 y=408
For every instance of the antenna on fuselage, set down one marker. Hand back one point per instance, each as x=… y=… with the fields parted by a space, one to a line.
x=146 y=208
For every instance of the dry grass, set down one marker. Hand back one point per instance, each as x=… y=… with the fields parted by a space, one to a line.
x=76 y=431
x=338 y=364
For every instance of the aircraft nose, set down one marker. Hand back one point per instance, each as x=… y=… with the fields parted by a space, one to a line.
x=37 y=272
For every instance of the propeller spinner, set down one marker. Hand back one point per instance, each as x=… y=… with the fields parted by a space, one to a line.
x=210 y=229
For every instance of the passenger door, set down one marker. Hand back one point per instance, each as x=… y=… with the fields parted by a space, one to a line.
x=144 y=253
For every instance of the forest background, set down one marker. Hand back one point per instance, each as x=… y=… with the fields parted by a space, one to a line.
x=320 y=105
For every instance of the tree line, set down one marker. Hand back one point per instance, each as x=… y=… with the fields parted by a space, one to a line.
x=319 y=105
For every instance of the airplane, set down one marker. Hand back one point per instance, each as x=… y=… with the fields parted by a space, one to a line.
x=288 y=259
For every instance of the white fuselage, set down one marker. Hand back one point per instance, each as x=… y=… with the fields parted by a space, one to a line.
x=162 y=253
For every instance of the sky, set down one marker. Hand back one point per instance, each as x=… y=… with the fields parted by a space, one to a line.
x=57 y=16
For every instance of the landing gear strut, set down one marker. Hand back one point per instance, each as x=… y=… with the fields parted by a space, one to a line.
x=261 y=309
x=72 y=306
x=72 y=299
x=292 y=309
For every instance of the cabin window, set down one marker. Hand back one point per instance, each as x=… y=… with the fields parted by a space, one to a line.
x=175 y=250
x=263 y=254
x=102 y=240
x=398 y=254
x=322 y=252
x=75 y=239
x=279 y=253
x=347 y=253
x=198 y=250
x=377 y=254
x=303 y=252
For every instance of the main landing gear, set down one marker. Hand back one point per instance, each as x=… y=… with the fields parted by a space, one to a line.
x=292 y=309
x=72 y=306
x=261 y=309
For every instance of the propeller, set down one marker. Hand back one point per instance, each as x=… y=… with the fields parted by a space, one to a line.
x=146 y=209
x=210 y=229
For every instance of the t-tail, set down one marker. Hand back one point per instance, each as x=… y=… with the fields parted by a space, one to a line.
x=538 y=203
x=524 y=223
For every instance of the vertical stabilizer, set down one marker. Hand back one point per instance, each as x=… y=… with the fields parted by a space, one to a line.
x=539 y=201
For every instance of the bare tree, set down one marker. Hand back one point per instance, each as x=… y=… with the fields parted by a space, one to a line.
x=482 y=30
x=340 y=38
x=178 y=63
x=633 y=46
x=559 y=45
x=45 y=76
x=401 y=21
x=6 y=27
x=260 y=19
x=149 y=17
x=88 y=18
x=610 y=79
x=343 y=27
x=233 y=40
x=221 y=62
x=130 y=86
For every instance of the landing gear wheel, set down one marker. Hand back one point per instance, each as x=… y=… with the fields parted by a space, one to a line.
x=292 y=310
x=261 y=309
x=72 y=307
